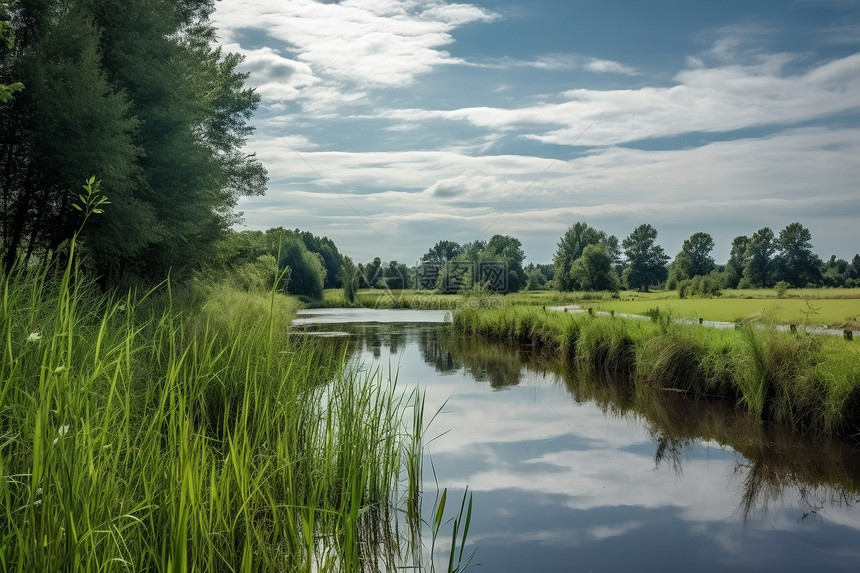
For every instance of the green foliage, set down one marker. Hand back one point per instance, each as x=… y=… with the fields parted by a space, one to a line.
x=796 y=263
x=699 y=286
x=187 y=431
x=136 y=93
x=737 y=261
x=781 y=287
x=646 y=259
x=570 y=249
x=593 y=271
x=759 y=270
x=304 y=270
x=477 y=262
x=808 y=382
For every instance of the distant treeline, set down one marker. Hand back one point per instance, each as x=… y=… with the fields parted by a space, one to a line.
x=586 y=259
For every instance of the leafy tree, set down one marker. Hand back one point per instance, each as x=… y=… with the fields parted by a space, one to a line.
x=646 y=261
x=305 y=273
x=331 y=257
x=796 y=263
x=758 y=272
x=570 y=248
x=535 y=280
x=350 y=277
x=7 y=41
x=737 y=261
x=441 y=252
x=695 y=258
x=136 y=93
x=594 y=269
x=508 y=252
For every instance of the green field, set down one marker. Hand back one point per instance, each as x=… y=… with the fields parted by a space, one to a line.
x=831 y=307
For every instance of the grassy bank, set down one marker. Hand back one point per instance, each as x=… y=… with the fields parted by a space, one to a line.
x=833 y=307
x=811 y=383
x=165 y=431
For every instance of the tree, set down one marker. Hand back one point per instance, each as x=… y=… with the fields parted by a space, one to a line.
x=506 y=252
x=646 y=261
x=795 y=262
x=737 y=261
x=135 y=93
x=594 y=269
x=758 y=271
x=304 y=270
x=570 y=248
x=441 y=253
x=7 y=40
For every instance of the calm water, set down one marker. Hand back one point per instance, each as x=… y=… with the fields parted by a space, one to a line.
x=572 y=474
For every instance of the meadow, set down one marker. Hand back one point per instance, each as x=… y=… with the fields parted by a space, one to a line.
x=837 y=308
x=189 y=431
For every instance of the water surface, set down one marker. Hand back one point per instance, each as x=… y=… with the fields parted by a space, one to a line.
x=577 y=474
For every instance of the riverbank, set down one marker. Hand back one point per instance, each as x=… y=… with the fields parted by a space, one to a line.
x=808 y=382
x=833 y=308
x=186 y=429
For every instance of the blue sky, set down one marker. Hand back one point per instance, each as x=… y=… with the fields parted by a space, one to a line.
x=388 y=125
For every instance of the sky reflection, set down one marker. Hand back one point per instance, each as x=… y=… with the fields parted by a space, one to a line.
x=566 y=485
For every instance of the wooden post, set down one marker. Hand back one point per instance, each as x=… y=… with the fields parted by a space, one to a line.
x=701 y=320
x=792 y=328
x=848 y=334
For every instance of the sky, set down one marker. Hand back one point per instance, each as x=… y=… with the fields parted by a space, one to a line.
x=389 y=125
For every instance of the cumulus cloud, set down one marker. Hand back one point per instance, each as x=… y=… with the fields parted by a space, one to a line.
x=366 y=42
x=408 y=194
x=717 y=99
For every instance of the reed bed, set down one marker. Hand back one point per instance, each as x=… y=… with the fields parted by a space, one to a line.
x=809 y=382
x=161 y=431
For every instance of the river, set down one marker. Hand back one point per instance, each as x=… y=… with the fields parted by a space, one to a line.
x=570 y=473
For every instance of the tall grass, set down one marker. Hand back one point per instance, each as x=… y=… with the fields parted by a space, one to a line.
x=809 y=382
x=158 y=431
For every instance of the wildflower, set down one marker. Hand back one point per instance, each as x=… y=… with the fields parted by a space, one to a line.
x=34 y=337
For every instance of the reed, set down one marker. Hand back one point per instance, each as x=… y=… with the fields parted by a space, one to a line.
x=173 y=431
x=809 y=382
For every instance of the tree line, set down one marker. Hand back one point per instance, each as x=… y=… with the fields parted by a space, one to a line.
x=135 y=94
x=589 y=259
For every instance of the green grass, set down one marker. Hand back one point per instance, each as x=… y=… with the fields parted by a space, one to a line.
x=833 y=307
x=784 y=311
x=811 y=383
x=187 y=432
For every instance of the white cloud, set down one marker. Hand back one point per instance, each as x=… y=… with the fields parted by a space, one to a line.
x=608 y=66
x=703 y=100
x=410 y=197
x=370 y=43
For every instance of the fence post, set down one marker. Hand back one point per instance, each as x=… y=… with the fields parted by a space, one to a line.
x=848 y=334
x=792 y=328
x=701 y=320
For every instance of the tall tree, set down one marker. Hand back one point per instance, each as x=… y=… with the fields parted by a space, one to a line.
x=441 y=252
x=507 y=252
x=646 y=260
x=133 y=92
x=758 y=271
x=795 y=262
x=594 y=269
x=570 y=248
x=737 y=261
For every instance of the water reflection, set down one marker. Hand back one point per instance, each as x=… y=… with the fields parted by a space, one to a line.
x=576 y=472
